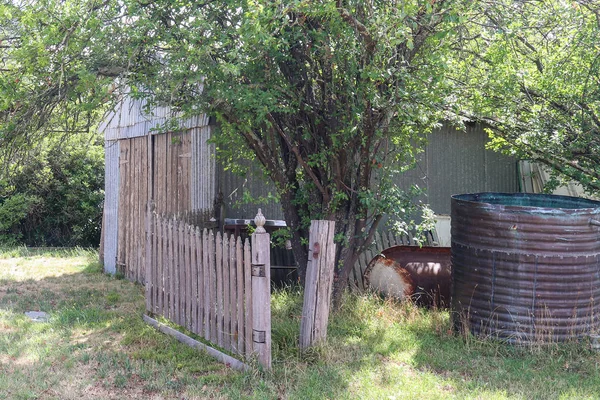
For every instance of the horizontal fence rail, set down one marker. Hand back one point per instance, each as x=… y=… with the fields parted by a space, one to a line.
x=202 y=281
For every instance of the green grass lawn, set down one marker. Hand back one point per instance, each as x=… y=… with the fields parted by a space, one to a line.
x=96 y=346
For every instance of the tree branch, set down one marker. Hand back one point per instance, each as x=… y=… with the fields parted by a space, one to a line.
x=303 y=163
x=362 y=30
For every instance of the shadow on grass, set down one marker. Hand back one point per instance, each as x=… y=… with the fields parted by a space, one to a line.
x=412 y=353
x=96 y=345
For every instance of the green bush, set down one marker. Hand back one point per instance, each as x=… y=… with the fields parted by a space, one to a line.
x=54 y=197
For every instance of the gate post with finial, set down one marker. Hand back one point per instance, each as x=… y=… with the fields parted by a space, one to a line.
x=261 y=292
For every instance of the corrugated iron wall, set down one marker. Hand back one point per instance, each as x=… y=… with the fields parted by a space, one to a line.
x=453 y=162
x=259 y=187
x=458 y=162
x=203 y=170
x=111 y=204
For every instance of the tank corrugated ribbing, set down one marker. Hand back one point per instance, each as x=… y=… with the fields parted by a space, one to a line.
x=526 y=267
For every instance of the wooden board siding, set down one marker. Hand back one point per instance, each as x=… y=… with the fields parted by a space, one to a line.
x=171 y=184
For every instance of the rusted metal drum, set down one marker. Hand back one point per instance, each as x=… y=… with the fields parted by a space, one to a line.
x=421 y=273
x=526 y=267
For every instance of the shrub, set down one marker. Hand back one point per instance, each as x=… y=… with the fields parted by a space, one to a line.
x=54 y=196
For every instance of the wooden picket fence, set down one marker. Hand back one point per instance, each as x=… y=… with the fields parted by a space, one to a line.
x=207 y=283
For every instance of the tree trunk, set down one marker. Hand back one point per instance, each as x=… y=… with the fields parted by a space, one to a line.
x=292 y=219
x=345 y=262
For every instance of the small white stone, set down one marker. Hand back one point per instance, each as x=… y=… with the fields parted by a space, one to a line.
x=38 y=316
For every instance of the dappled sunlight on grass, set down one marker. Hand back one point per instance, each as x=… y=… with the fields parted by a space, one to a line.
x=40 y=267
x=95 y=345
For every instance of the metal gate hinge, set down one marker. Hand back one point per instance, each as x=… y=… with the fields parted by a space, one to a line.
x=258 y=270
x=258 y=336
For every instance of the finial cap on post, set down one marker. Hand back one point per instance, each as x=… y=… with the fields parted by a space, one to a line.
x=260 y=220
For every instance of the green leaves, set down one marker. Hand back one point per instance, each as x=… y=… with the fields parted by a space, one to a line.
x=530 y=70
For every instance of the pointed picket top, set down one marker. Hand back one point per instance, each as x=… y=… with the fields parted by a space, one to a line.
x=260 y=220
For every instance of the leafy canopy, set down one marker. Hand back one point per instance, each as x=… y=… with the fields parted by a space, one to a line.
x=531 y=71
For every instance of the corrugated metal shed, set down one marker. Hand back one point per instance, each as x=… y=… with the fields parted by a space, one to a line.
x=458 y=162
x=178 y=171
x=256 y=185
x=534 y=177
x=453 y=162
x=111 y=205
x=129 y=120
x=203 y=170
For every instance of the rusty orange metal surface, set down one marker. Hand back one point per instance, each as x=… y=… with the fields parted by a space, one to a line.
x=429 y=270
x=526 y=267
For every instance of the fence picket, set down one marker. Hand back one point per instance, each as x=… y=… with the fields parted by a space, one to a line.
x=171 y=267
x=233 y=293
x=200 y=282
x=226 y=305
x=160 y=267
x=212 y=283
x=182 y=277
x=193 y=281
x=206 y=278
x=240 y=295
x=177 y=285
x=219 y=313
x=148 y=270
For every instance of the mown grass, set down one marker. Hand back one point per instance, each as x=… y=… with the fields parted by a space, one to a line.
x=96 y=346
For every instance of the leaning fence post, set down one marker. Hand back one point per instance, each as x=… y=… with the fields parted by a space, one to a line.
x=318 y=283
x=261 y=292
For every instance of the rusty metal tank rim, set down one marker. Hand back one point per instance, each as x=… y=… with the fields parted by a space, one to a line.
x=553 y=204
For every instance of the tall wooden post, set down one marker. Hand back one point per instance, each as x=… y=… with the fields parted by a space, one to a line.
x=261 y=292
x=318 y=284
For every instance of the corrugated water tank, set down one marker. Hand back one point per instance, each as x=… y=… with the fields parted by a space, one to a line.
x=526 y=267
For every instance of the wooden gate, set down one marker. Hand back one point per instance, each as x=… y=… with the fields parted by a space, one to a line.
x=209 y=284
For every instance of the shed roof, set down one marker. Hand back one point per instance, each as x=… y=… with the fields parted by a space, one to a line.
x=129 y=119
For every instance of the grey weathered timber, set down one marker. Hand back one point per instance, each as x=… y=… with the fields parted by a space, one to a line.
x=194 y=266
x=207 y=285
x=211 y=284
x=189 y=278
x=261 y=292
x=219 y=272
x=232 y=295
x=318 y=285
x=159 y=267
x=182 y=278
x=199 y=281
x=171 y=269
x=240 y=295
x=176 y=267
x=224 y=358
x=226 y=309
x=213 y=288
x=248 y=299
x=149 y=282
